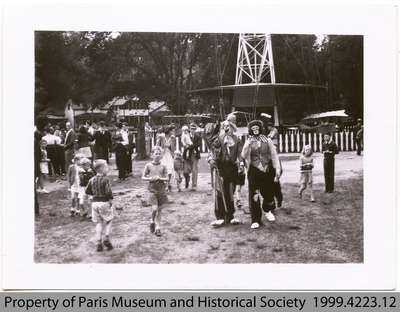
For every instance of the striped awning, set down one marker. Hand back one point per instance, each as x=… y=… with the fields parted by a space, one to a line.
x=337 y=113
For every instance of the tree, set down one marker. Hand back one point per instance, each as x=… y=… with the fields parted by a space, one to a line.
x=93 y=67
x=53 y=77
x=345 y=73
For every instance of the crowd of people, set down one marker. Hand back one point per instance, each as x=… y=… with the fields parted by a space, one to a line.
x=82 y=159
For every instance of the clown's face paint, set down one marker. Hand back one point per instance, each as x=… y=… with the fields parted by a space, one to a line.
x=256 y=130
x=227 y=128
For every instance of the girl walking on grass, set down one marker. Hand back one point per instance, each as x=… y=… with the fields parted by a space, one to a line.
x=306 y=166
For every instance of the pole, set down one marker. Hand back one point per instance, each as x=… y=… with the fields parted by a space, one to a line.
x=276 y=110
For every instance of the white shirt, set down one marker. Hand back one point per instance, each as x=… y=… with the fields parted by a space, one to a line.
x=91 y=130
x=52 y=139
x=125 y=137
x=67 y=134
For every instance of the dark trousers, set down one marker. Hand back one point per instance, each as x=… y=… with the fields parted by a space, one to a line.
x=52 y=155
x=329 y=173
x=68 y=156
x=220 y=212
x=60 y=166
x=359 y=146
x=278 y=193
x=121 y=158
x=229 y=174
x=129 y=161
x=36 y=202
x=101 y=152
x=264 y=182
x=55 y=154
x=61 y=157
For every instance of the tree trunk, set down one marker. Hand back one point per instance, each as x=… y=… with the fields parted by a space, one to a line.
x=141 y=141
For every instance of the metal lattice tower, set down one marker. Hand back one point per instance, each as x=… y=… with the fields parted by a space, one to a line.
x=255 y=62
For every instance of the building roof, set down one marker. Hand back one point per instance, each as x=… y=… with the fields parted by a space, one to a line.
x=80 y=106
x=91 y=115
x=53 y=111
x=153 y=106
x=337 y=113
x=159 y=106
x=121 y=100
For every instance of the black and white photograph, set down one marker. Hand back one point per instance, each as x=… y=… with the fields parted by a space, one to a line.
x=210 y=147
x=198 y=147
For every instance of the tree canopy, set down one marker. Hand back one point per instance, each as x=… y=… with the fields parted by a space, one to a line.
x=93 y=67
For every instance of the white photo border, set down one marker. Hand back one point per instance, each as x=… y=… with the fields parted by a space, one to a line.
x=378 y=26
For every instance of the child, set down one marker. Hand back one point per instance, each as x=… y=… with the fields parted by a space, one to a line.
x=85 y=174
x=239 y=183
x=306 y=166
x=329 y=148
x=186 y=141
x=74 y=184
x=44 y=167
x=156 y=173
x=178 y=168
x=102 y=210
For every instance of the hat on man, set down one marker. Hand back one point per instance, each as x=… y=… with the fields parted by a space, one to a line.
x=231 y=117
x=193 y=126
x=255 y=123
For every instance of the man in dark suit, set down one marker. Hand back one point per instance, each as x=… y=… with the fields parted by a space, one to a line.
x=121 y=142
x=191 y=163
x=69 y=145
x=358 y=132
x=131 y=146
x=37 y=156
x=103 y=142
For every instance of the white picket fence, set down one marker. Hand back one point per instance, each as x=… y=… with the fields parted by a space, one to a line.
x=293 y=142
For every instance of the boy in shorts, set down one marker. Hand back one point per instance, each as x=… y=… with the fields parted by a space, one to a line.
x=157 y=175
x=102 y=210
x=85 y=174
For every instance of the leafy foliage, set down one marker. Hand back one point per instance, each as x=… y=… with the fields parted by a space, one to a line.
x=93 y=67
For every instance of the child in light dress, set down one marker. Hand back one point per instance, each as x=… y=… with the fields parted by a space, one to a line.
x=306 y=167
x=186 y=141
x=44 y=167
x=74 y=185
x=178 y=168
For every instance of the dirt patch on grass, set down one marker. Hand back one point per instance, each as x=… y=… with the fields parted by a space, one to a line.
x=327 y=231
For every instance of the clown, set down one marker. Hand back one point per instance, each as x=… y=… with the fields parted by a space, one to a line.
x=263 y=169
x=229 y=160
